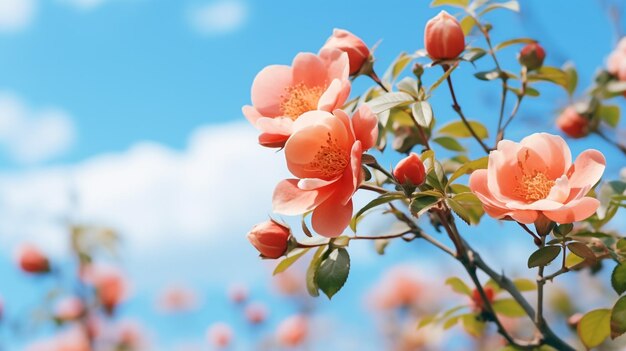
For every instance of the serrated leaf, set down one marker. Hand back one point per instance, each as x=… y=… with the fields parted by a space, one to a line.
x=423 y=203
x=449 y=143
x=470 y=167
x=510 y=42
x=459 y=286
x=512 y=5
x=594 y=327
x=333 y=272
x=618 y=278
x=543 y=256
x=423 y=113
x=381 y=200
x=618 y=318
x=456 y=3
x=523 y=284
x=581 y=250
x=293 y=256
x=459 y=211
x=311 y=285
x=459 y=130
x=508 y=307
x=389 y=100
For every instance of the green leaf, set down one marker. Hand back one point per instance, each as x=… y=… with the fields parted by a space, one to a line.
x=397 y=66
x=572 y=260
x=423 y=203
x=510 y=42
x=471 y=206
x=582 y=250
x=293 y=256
x=510 y=5
x=311 y=284
x=426 y=321
x=459 y=130
x=487 y=75
x=610 y=114
x=382 y=199
x=467 y=24
x=618 y=278
x=459 y=286
x=472 y=54
x=472 y=325
x=442 y=79
x=594 y=327
x=388 y=101
x=409 y=86
x=333 y=272
x=470 y=167
x=572 y=78
x=618 y=318
x=543 y=256
x=423 y=113
x=508 y=307
x=459 y=210
x=449 y=143
x=563 y=229
x=451 y=322
x=523 y=284
x=456 y=3
x=550 y=74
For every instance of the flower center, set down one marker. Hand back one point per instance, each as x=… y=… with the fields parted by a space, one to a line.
x=299 y=99
x=534 y=187
x=330 y=160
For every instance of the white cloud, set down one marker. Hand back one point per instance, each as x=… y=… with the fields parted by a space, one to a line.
x=219 y=17
x=30 y=136
x=16 y=15
x=210 y=193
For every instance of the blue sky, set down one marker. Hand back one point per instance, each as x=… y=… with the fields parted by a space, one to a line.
x=142 y=100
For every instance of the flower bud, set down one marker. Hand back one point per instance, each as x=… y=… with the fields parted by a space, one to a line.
x=32 y=260
x=477 y=300
x=358 y=52
x=410 y=171
x=572 y=123
x=220 y=335
x=270 y=238
x=443 y=37
x=532 y=56
x=418 y=70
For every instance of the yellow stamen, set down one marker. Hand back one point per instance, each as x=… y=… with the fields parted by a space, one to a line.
x=534 y=187
x=331 y=160
x=299 y=99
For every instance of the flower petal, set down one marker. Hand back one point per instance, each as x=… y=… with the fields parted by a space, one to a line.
x=587 y=169
x=365 y=125
x=268 y=89
x=553 y=150
x=290 y=200
x=331 y=217
x=574 y=211
x=310 y=70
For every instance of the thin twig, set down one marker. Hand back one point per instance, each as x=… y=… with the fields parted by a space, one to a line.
x=457 y=109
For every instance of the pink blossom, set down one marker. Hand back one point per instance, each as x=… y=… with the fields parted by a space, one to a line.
x=281 y=94
x=616 y=63
x=292 y=331
x=537 y=177
x=220 y=335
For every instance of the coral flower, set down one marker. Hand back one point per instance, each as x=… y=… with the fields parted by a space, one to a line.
x=110 y=284
x=324 y=152
x=357 y=50
x=537 y=177
x=281 y=94
x=292 y=331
